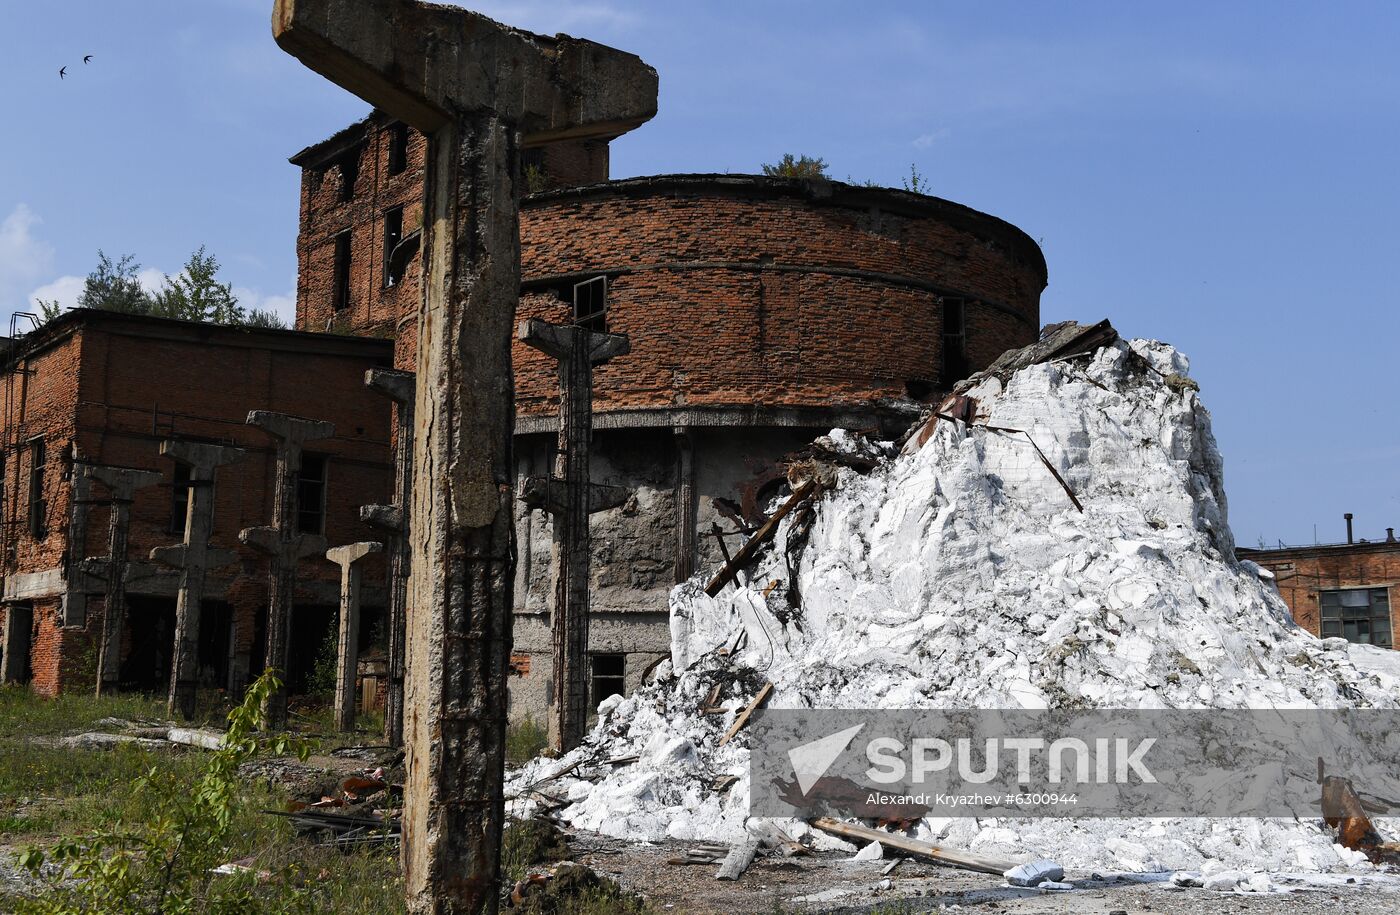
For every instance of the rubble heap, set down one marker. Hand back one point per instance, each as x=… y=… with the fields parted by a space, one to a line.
x=1056 y=538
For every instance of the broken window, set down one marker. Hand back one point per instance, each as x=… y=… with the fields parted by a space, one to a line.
x=954 y=339
x=398 y=148
x=38 y=506
x=608 y=677
x=340 y=288
x=311 y=494
x=179 y=498
x=393 y=234
x=591 y=304
x=349 y=166
x=1357 y=615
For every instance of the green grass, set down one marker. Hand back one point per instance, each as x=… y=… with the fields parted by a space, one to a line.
x=23 y=714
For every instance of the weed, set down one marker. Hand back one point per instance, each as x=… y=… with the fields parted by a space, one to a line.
x=525 y=739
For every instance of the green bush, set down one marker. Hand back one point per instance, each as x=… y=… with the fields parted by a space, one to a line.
x=158 y=855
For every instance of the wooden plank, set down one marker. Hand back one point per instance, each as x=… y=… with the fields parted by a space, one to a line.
x=955 y=857
x=763 y=535
x=743 y=717
x=738 y=860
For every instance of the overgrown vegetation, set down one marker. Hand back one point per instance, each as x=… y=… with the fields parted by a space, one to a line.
x=193 y=294
x=525 y=739
x=157 y=853
x=790 y=166
x=916 y=182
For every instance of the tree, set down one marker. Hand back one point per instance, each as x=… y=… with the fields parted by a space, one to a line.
x=195 y=294
x=791 y=166
x=113 y=286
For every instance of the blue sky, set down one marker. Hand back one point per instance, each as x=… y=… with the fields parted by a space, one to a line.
x=1219 y=175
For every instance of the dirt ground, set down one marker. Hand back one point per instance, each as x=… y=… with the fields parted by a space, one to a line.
x=829 y=883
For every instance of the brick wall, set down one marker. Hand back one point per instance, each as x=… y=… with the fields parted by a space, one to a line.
x=113 y=387
x=1301 y=573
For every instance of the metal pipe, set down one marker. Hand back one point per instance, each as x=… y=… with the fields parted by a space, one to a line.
x=1348 y=517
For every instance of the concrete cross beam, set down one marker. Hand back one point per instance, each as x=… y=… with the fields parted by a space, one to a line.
x=347 y=658
x=194 y=557
x=400 y=387
x=479 y=91
x=121 y=483
x=570 y=497
x=282 y=541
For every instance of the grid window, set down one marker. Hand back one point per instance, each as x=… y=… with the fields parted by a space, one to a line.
x=591 y=304
x=38 y=505
x=608 y=677
x=311 y=494
x=1357 y=615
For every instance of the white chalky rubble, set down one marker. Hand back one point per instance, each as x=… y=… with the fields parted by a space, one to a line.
x=961 y=576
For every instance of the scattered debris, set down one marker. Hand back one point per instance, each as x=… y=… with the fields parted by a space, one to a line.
x=738 y=860
x=742 y=718
x=955 y=857
x=1034 y=873
x=765 y=533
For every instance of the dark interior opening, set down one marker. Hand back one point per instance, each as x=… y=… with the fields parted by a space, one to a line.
x=150 y=624
x=312 y=625
x=398 y=148
x=340 y=288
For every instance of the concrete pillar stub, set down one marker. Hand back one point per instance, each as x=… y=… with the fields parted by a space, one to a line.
x=393 y=520
x=570 y=496
x=282 y=542
x=122 y=484
x=194 y=557
x=479 y=91
x=347 y=657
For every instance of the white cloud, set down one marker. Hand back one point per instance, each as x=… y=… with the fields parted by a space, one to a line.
x=65 y=289
x=24 y=259
x=924 y=141
x=284 y=306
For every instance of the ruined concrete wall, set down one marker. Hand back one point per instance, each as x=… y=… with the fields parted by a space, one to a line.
x=1303 y=572
x=636 y=546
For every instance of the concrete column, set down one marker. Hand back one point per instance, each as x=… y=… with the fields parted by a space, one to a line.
x=121 y=483
x=393 y=520
x=282 y=542
x=194 y=557
x=475 y=89
x=75 y=594
x=570 y=497
x=347 y=658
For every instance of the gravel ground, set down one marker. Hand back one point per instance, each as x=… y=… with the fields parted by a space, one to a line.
x=830 y=883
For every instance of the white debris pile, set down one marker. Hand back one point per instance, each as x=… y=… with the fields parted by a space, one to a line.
x=960 y=574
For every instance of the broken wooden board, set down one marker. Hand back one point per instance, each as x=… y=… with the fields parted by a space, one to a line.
x=955 y=857
x=743 y=717
x=738 y=860
x=763 y=535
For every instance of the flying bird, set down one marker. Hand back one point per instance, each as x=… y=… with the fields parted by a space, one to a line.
x=61 y=71
x=87 y=57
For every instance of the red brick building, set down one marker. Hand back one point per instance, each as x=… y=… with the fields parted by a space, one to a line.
x=102 y=388
x=761 y=312
x=1338 y=590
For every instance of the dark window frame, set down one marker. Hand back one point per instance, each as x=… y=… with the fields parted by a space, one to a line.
x=340 y=283
x=179 y=497
x=38 y=505
x=312 y=519
x=590 y=301
x=607 y=678
x=1340 y=615
x=398 y=149
x=349 y=167
x=393 y=235
x=954 y=339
